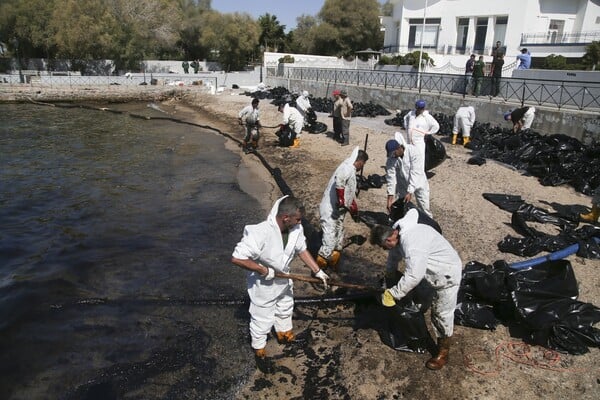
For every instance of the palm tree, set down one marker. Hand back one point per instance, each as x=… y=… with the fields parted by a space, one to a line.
x=272 y=32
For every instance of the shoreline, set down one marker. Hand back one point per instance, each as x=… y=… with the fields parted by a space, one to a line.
x=345 y=355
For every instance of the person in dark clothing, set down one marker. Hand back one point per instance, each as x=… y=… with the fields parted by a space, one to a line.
x=498 y=50
x=478 y=75
x=496 y=74
x=469 y=72
x=522 y=118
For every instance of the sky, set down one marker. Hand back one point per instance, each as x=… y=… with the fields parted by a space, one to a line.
x=286 y=11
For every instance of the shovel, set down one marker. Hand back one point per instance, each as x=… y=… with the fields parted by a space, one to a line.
x=305 y=278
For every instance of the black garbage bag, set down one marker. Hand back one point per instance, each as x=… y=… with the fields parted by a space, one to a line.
x=376 y=181
x=362 y=182
x=435 y=152
x=541 y=300
x=524 y=247
x=476 y=160
x=286 y=136
x=483 y=296
x=589 y=249
x=535 y=241
x=400 y=207
x=475 y=315
x=545 y=300
x=506 y=202
x=406 y=330
x=372 y=218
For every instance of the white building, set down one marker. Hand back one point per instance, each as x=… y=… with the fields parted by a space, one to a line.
x=454 y=29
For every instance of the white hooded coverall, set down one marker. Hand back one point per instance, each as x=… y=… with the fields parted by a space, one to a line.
x=332 y=220
x=303 y=104
x=250 y=116
x=528 y=118
x=463 y=121
x=428 y=255
x=271 y=301
x=419 y=126
x=294 y=119
x=407 y=175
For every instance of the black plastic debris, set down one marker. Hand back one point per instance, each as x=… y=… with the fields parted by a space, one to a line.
x=533 y=241
x=476 y=160
x=281 y=95
x=541 y=300
x=407 y=330
x=399 y=209
x=554 y=159
x=435 y=152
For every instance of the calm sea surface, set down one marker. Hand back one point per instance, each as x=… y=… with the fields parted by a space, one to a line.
x=115 y=239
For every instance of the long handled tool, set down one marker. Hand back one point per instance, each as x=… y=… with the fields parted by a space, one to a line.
x=305 y=278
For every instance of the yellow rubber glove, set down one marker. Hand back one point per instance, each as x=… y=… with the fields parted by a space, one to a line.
x=387 y=299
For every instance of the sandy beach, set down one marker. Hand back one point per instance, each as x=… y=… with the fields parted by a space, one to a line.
x=343 y=355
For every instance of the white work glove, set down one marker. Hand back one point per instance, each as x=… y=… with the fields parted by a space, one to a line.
x=322 y=276
x=270 y=274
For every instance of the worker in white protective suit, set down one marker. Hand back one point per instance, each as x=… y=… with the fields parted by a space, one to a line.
x=265 y=250
x=405 y=174
x=303 y=104
x=250 y=117
x=294 y=120
x=338 y=199
x=428 y=255
x=418 y=123
x=464 y=119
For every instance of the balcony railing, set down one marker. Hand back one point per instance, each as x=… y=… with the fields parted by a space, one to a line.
x=554 y=38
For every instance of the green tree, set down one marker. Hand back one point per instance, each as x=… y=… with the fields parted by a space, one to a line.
x=355 y=24
x=27 y=22
x=272 y=33
x=190 y=31
x=387 y=9
x=231 y=38
x=591 y=57
x=91 y=30
x=554 y=61
x=302 y=38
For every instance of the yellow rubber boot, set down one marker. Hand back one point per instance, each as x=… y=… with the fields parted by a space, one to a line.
x=454 y=137
x=285 y=337
x=260 y=353
x=591 y=216
x=466 y=140
x=296 y=144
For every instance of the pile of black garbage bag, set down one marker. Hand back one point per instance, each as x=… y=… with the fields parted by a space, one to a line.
x=540 y=300
x=280 y=94
x=538 y=304
x=554 y=159
x=532 y=242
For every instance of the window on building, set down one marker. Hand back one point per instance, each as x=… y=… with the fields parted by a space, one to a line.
x=462 y=31
x=500 y=29
x=555 y=30
x=480 y=33
x=426 y=35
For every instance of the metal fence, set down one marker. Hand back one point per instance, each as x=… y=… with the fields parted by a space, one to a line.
x=551 y=93
x=101 y=80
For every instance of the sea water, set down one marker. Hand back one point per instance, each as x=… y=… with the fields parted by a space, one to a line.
x=116 y=235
